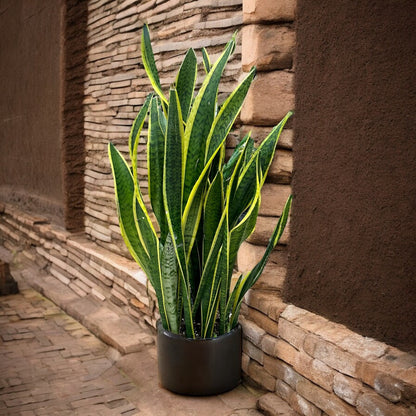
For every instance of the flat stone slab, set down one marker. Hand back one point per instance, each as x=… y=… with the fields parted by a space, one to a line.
x=120 y=332
x=111 y=325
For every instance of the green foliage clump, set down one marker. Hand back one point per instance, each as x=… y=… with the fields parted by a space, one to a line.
x=205 y=206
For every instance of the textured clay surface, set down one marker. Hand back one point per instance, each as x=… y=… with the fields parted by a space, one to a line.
x=353 y=244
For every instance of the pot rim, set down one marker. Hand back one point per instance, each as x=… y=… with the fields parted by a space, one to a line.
x=169 y=334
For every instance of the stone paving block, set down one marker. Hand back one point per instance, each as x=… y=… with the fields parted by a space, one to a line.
x=329 y=403
x=389 y=387
x=259 y=133
x=120 y=332
x=370 y=404
x=314 y=370
x=273 y=405
x=331 y=355
x=252 y=351
x=347 y=388
x=260 y=107
x=252 y=331
x=268 y=10
x=267 y=47
x=263 y=378
x=291 y=333
x=274 y=197
x=263 y=321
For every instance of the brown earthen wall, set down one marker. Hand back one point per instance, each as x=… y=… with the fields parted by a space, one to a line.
x=353 y=245
x=73 y=144
x=30 y=135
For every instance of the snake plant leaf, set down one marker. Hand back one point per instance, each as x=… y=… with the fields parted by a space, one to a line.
x=200 y=120
x=136 y=128
x=149 y=63
x=172 y=175
x=227 y=115
x=205 y=206
x=213 y=208
x=169 y=284
x=125 y=196
x=134 y=138
x=220 y=287
x=218 y=134
x=231 y=302
x=248 y=153
x=162 y=120
x=209 y=279
x=242 y=149
x=244 y=228
x=155 y=163
x=211 y=318
x=209 y=300
x=145 y=229
x=185 y=82
x=206 y=61
x=251 y=278
x=230 y=166
x=247 y=181
x=191 y=219
x=226 y=273
x=172 y=198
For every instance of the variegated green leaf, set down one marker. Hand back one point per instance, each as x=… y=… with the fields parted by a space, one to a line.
x=251 y=278
x=213 y=208
x=227 y=115
x=243 y=229
x=230 y=166
x=225 y=274
x=125 y=197
x=209 y=280
x=155 y=163
x=185 y=82
x=246 y=186
x=206 y=60
x=192 y=217
x=169 y=284
x=172 y=197
x=149 y=63
x=199 y=121
x=136 y=128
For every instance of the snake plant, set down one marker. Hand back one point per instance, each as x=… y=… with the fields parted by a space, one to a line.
x=205 y=205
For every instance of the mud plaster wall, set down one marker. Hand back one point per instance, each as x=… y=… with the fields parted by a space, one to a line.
x=73 y=143
x=30 y=133
x=353 y=248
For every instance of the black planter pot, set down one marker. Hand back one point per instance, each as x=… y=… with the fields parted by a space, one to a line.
x=199 y=367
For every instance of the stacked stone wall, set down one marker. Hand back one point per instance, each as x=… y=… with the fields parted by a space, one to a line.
x=322 y=368
x=268 y=41
x=116 y=84
x=79 y=263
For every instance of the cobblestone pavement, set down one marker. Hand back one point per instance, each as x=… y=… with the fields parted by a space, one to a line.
x=52 y=365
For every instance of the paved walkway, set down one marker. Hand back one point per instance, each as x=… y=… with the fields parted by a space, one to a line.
x=52 y=365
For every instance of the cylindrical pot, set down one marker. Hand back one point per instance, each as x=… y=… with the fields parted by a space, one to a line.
x=199 y=367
